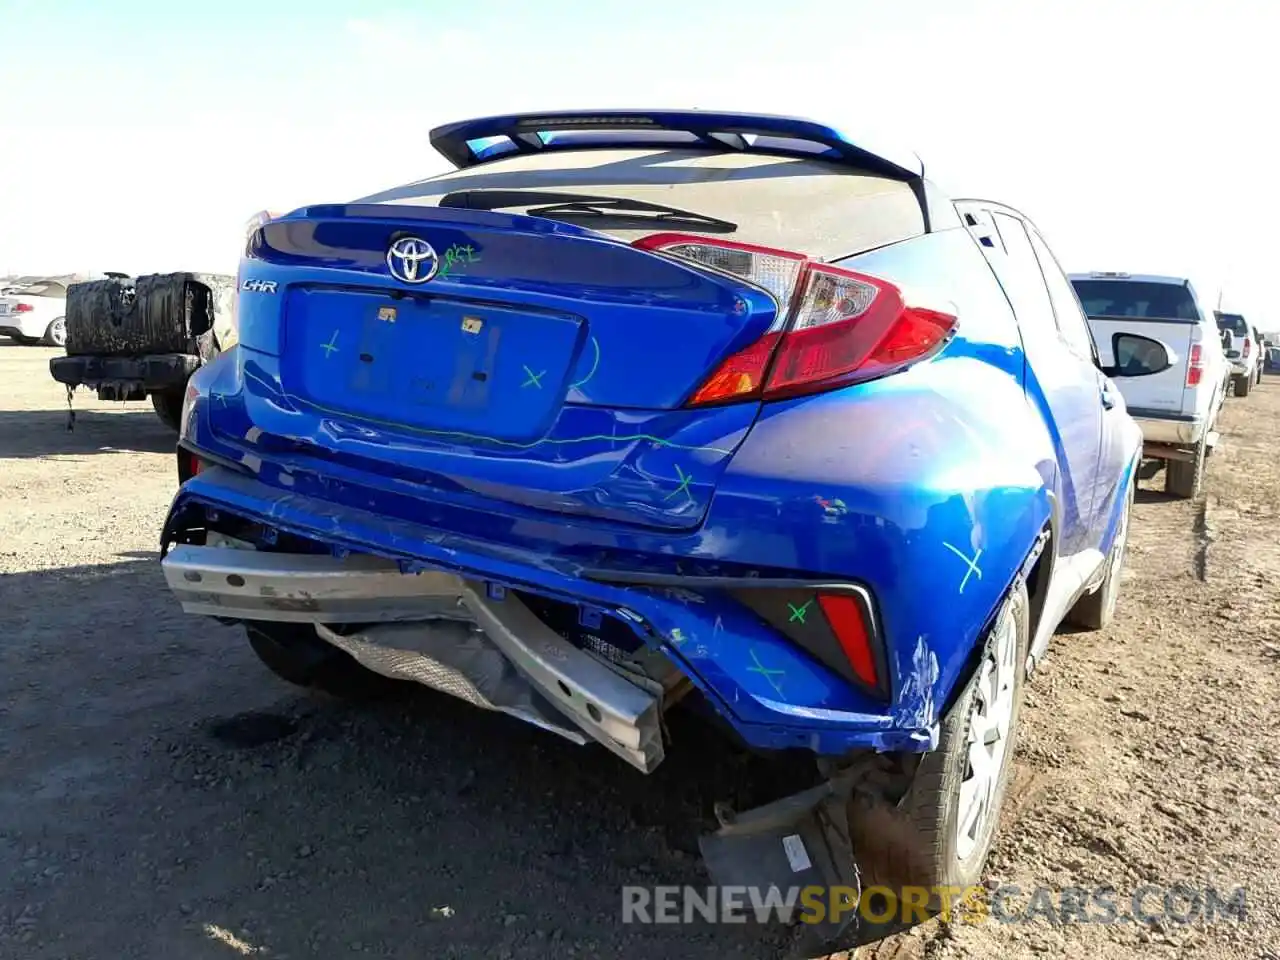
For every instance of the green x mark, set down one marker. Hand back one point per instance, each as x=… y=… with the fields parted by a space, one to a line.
x=331 y=347
x=535 y=379
x=685 y=479
x=765 y=672
x=799 y=613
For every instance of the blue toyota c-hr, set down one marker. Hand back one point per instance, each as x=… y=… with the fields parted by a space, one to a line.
x=637 y=406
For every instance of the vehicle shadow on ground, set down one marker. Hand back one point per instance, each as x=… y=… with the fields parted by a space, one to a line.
x=1150 y=495
x=308 y=826
x=42 y=433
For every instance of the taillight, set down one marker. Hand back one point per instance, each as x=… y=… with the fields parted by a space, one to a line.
x=253 y=225
x=833 y=624
x=1195 y=365
x=1247 y=344
x=23 y=308
x=776 y=270
x=845 y=615
x=835 y=326
x=189 y=465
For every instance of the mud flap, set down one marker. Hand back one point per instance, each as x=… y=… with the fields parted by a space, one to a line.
x=801 y=841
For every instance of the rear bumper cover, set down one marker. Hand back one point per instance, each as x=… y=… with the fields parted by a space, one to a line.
x=706 y=642
x=1174 y=430
x=11 y=326
x=149 y=373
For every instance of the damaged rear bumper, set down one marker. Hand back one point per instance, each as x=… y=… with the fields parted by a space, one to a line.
x=461 y=625
x=484 y=646
x=724 y=649
x=457 y=636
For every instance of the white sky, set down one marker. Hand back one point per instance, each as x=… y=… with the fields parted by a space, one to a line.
x=1140 y=136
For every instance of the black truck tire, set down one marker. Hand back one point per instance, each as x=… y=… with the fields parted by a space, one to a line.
x=1184 y=478
x=168 y=407
x=295 y=653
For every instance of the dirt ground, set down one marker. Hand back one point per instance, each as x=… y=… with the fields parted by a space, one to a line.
x=162 y=796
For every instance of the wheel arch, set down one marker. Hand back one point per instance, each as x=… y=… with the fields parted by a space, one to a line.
x=1036 y=573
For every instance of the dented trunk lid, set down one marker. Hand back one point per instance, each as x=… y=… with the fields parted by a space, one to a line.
x=542 y=364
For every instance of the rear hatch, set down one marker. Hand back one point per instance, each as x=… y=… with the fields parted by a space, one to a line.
x=1165 y=311
x=492 y=334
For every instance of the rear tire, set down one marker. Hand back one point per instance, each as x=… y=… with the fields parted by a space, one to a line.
x=1095 y=610
x=1243 y=384
x=295 y=653
x=1185 y=478
x=56 y=334
x=168 y=407
x=947 y=850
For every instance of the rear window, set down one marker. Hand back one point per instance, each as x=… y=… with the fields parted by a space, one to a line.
x=1137 y=300
x=1233 y=322
x=793 y=203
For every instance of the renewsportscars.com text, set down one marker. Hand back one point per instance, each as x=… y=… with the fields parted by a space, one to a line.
x=1177 y=903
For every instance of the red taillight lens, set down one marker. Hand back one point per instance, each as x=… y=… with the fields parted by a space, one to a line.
x=849 y=327
x=23 y=308
x=834 y=327
x=1195 y=365
x=189 y=465
x=1247 y=344
x=844 y=614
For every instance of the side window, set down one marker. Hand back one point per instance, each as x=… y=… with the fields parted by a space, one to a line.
x=1019 y=274
x=1066 y=305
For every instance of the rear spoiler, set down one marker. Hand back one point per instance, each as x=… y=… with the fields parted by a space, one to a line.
x=471 y=142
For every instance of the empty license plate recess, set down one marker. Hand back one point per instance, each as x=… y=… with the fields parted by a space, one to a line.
x=430 y=363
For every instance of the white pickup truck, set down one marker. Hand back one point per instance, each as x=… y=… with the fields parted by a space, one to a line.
x=1244 y=352
x=1178 y=408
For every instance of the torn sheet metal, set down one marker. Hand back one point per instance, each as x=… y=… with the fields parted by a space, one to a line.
x=454 y=658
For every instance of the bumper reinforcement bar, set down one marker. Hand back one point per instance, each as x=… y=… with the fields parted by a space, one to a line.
x=436 y=629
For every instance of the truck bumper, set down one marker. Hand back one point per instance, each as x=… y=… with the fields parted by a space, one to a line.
x=1174 y=431
x=125 y=378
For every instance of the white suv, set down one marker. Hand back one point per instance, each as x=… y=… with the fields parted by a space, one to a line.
x=1178 y=408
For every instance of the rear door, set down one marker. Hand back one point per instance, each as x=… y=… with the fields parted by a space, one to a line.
x=1114 y=447
x=1061 y=376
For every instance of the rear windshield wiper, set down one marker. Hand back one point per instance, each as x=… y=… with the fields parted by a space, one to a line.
x=622 y=212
